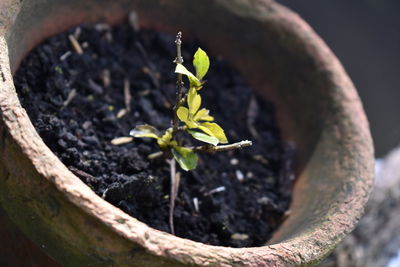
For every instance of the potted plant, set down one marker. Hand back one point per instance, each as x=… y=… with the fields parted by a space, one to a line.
x=283 y=59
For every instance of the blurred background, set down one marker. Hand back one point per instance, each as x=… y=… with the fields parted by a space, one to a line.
x=365 y=35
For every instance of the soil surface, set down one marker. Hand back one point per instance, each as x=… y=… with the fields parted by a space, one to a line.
x=236 y=198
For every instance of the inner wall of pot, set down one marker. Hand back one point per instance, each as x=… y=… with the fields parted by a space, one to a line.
x=273 y=61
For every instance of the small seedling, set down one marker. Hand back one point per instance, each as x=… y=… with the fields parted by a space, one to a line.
x=188 y=117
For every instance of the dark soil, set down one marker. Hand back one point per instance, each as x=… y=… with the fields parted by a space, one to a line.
x=242 y=195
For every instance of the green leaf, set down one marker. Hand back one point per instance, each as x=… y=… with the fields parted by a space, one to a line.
x=142 y=131
x=186 y=157
x=194 y=101
x=204 y=138
x=201 y=62
x=216 y=131
x=192 y=79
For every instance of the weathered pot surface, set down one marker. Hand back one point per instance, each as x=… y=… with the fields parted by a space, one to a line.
x=281 y=57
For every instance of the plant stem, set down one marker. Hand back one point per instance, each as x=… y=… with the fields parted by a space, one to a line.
x=179 y=84
x=210 y=148
x=175 y=179
x=213 y=149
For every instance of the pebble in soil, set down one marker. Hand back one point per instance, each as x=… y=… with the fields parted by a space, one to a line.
x=237 y=198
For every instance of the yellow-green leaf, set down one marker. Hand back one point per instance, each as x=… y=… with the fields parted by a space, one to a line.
x=141 y=131
x=183 y=114
x=207 y=118
x=204 y=138
x=216 y=130
x=202 y=115
x=194 y=101
x=192 y=125
x=192 y=78
x=201 y=62
x=166 y=140
x=186 y=157
x=191 y=94
x=205 y=129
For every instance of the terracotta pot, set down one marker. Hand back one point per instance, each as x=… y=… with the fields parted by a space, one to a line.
x=277 y=52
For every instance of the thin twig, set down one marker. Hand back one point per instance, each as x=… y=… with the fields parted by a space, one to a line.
x=105 y=77
x=215 y=190
x=121 y=140
x=71 y=95
x=122 y=113
x=144 y=55
x=252 y=113
x=213 y=149
x=134 y=21
x=261 y=159
x=151 y=70
x=155 y=155
x=153 y=75
x=102 y=27
x=175 y=178
x=96 y=88
x=75 y=44
x=179 y=84
x=196 y=204
x=82 y=174
x=77 y=32
x=127 y=100
x=65 y=55
x=127 y=94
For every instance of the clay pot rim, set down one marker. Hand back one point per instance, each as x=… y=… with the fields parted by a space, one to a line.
x=157 y=242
